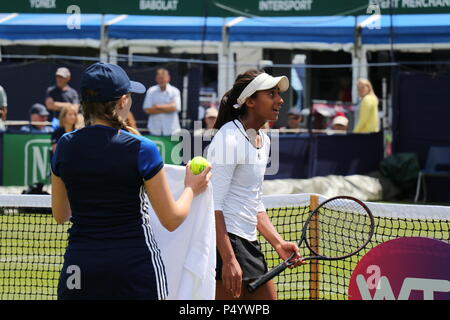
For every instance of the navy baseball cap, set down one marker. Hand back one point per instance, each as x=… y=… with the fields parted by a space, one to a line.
x=39 y=109
x=103 y=82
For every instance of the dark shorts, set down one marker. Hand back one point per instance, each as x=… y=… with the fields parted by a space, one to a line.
x=249 y=256
x=111 y=274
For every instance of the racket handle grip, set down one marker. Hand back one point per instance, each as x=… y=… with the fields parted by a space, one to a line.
x=252 y=286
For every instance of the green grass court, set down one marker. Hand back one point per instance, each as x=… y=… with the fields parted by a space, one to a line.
x=32 y=248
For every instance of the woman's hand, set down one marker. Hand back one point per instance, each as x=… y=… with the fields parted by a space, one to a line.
x=286 y=249
x=232 y=277
x=198 y=183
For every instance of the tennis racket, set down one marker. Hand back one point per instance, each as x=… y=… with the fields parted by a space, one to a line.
x=337 y=229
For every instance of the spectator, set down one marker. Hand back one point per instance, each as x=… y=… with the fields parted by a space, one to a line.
x=340 y=122
x=61 y=95
x=38 y=113
x=210 y=118
x=69 y=120
x=3 y=108
x=294 y=119
x=162 y=103
x=368 y=120
x=209 y=121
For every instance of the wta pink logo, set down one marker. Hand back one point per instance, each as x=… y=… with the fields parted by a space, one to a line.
x=411 y=268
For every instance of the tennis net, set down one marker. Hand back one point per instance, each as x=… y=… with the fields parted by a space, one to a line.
x=32 y=245
x=330 y=279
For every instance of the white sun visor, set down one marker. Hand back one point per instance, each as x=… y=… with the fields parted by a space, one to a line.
x=262 y=82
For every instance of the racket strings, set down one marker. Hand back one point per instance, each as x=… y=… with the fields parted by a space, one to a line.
x=339 y=228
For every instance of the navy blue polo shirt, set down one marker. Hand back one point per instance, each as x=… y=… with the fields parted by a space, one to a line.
x=104 y=170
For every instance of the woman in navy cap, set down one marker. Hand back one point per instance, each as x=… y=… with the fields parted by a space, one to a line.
x=101 y=178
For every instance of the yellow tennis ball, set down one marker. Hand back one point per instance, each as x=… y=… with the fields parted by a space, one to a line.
x=198 y=164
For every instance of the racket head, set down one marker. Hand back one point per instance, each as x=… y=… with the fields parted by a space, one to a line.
x=338 y=228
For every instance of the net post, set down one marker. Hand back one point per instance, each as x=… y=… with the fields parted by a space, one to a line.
x=314 y=279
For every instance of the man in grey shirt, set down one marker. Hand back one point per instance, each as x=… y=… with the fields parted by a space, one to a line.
x=162 y=103
x=61 y=95
x=3 y=108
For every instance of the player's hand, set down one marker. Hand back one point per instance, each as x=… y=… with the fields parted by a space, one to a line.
x=286 y=249
x=232 y=277
x=198 y=183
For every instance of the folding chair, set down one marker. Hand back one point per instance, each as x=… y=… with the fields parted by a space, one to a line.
x=437 y=165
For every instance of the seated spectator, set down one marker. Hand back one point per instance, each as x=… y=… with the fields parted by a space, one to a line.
x=210 y=118
x=209 y=121
x=69 y=120
x=295 y=118
x=38 y=113
x=340 y=122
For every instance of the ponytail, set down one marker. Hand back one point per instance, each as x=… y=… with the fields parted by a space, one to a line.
x=226 y=110
x=102 y=111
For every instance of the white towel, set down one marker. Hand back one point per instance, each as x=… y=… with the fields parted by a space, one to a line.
x=189 y=252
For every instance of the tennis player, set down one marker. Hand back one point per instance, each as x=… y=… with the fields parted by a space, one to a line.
x=101 y=177
x=239 y=153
